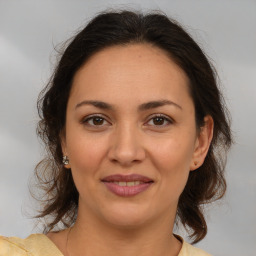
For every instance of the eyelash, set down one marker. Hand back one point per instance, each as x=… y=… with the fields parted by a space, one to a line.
x=165 y=119
x=90 y=118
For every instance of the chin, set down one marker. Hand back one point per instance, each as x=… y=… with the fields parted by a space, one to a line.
x=127 y=217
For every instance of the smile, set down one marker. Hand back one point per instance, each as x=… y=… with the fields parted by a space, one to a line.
x=127 y=185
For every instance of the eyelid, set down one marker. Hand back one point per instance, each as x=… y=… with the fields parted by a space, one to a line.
x=90 y=117
x=165 y=117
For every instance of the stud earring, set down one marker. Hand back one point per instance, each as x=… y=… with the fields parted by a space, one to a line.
x=65 y=160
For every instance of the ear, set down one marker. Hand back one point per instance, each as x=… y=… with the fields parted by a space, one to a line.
x=203 y=143
x=64 y=147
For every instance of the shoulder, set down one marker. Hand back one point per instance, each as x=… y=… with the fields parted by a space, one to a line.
x=11 y=246
x=189 y=250
x=34 y=245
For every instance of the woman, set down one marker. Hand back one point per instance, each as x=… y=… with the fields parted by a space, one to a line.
x=134 y=123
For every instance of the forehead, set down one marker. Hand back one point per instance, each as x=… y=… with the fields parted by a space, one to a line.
x=140 y=70
x=133 y=55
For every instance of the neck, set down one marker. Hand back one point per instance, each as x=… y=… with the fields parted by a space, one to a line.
x=98 y=239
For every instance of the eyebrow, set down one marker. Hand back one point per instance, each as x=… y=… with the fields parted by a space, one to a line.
x=156 y=104
x=142 y=107
x=95 y=103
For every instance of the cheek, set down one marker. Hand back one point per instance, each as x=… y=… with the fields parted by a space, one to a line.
x=85 y=153
x=173 y=152
x=172 y=159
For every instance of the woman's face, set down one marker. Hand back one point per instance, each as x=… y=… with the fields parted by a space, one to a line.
x=131 y=135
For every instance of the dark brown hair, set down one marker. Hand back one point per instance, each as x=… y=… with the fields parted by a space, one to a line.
x=123 y=28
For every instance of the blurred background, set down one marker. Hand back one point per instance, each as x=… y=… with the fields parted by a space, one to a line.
x=29 y=31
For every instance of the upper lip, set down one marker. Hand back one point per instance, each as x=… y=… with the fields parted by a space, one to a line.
x=126 y=178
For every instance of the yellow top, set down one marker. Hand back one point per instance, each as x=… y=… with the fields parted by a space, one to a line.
x=41 y=245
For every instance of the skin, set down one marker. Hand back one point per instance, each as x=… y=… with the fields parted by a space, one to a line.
x=126 y=140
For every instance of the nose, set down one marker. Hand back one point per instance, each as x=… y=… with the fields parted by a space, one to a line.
x=126 y=146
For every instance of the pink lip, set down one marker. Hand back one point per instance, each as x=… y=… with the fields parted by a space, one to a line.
x=127 y=191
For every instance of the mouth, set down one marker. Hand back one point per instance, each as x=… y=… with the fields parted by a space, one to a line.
x=127 y=185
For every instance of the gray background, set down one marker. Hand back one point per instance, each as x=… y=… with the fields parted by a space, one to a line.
x=28 y=32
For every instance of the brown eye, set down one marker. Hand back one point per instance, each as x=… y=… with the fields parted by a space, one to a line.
x=95 y=121
x=159 y=120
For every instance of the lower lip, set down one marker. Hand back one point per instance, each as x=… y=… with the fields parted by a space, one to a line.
x=127 y=191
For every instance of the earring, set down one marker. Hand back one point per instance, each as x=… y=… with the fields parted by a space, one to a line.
x=65 y=160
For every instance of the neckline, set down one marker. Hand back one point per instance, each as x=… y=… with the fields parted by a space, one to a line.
x=51 y=246
x=56 y=251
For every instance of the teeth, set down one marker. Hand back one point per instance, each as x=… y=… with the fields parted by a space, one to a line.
x=128 y=184
x=122 y=183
